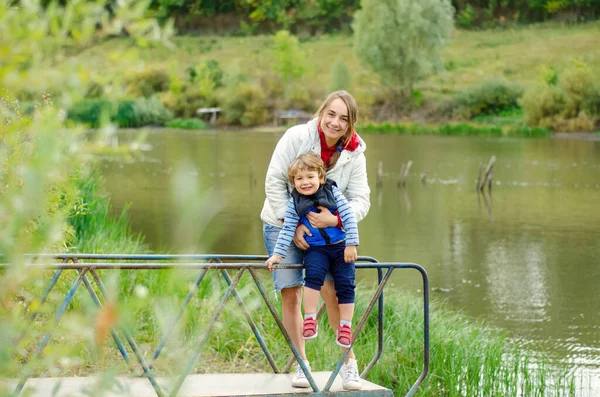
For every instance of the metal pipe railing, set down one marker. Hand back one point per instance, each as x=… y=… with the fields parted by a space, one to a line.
x=223 y=263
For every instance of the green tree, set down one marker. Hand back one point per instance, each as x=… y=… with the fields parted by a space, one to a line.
x=289 y=61
x=401 y=40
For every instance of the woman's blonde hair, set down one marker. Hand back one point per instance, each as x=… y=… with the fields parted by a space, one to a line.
x=306 y=162
x=352 y=118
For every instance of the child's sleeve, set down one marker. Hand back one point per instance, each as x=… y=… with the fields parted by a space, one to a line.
x=347 y=215
x=286 y=235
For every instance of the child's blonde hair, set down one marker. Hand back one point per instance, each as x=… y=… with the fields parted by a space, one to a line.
x=306 y=162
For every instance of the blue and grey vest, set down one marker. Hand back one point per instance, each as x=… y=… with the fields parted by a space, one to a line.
x=304 y=204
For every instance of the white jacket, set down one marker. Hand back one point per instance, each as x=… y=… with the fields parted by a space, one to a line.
x=349 y=173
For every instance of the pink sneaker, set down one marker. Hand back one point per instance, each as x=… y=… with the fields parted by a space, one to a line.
x=310 y=328
x=344 y=336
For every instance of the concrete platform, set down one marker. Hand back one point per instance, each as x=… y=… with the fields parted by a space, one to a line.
x=194 y=386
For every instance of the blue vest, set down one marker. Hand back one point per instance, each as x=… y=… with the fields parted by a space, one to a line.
x=304 y=204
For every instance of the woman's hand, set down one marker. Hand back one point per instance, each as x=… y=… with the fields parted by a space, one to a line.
x=322 y=219
x=299 y=237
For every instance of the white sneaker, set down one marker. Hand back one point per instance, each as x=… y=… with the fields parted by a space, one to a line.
x=300 y=379
x=350 y=377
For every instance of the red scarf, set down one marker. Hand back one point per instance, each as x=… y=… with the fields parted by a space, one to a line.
x=327 y=152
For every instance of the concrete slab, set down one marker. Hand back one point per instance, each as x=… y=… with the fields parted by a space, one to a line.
x=196 y=385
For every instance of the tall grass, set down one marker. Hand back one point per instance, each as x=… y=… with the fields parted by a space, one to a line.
x=95 y=229
x=467 y=358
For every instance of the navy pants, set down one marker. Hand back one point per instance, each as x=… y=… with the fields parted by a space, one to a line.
x=319 y=259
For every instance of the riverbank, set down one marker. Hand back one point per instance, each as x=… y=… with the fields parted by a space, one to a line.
x=487 y=74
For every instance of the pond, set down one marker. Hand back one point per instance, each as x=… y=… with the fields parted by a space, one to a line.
x=525 y=259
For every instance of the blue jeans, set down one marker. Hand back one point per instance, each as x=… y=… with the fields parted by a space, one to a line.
x=285 y=278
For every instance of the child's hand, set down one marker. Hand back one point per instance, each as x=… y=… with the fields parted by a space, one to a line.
x=350 y=254
x=273 y=260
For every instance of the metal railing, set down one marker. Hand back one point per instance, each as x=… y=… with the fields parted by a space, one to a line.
x=89 y=264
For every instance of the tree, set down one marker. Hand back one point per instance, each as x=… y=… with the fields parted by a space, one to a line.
x=401 y=40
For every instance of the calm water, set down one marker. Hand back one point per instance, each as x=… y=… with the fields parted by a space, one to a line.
x=527 y=260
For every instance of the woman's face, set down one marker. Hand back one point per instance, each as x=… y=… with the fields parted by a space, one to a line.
x=335 y=121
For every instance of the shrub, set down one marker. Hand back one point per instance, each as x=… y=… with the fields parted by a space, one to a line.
x=186 y=103
x=491 y=97
x=93 y=112
x=289 y=61
x=141 y=112
x=466 y=17
x=94 y=90
x=340 y=76
x=542 y=103
x=187 y=124
x=146 y=82
x=572 y=103
x=126 y=113
x=245 y=104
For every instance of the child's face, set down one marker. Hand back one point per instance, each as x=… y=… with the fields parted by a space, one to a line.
x=307 y=182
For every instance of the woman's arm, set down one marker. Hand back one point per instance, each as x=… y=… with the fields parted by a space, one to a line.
x=276 y=180
x=358 y=191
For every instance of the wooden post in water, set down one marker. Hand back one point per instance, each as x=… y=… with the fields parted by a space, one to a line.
x=404 y=173
x=379 y=180
x=488 y=174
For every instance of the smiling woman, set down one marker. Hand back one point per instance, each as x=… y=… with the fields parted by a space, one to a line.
x=330 y=135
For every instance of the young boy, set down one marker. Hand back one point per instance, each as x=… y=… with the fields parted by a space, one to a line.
x=331 y=249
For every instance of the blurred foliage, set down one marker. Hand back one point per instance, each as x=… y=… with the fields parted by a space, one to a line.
x=126 y=113
x=187 y=124
x=40 y=156
x=289 y=60
x=402 y=57
x=340 y=76
x=245 y=104
x=146 y=82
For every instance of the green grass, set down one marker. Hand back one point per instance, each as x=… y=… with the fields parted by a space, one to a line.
x=467 y=358
x=186 y=124
x=454 y=129
x=473 y=56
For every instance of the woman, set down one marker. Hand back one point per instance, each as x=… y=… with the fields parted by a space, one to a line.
x=330 y=134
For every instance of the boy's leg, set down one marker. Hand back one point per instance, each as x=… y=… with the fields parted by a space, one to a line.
x=316 y=264
x=344 y=276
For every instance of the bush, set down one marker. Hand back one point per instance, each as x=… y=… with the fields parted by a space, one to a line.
x=245 y=104
x=141 y=112
x=340 y=76
x=126 y=113
x=187 y=124
x=570 y=104
x=93 y=112
x=146 y=82
x=491 y=97
x=191 y=97
x=466 y=17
